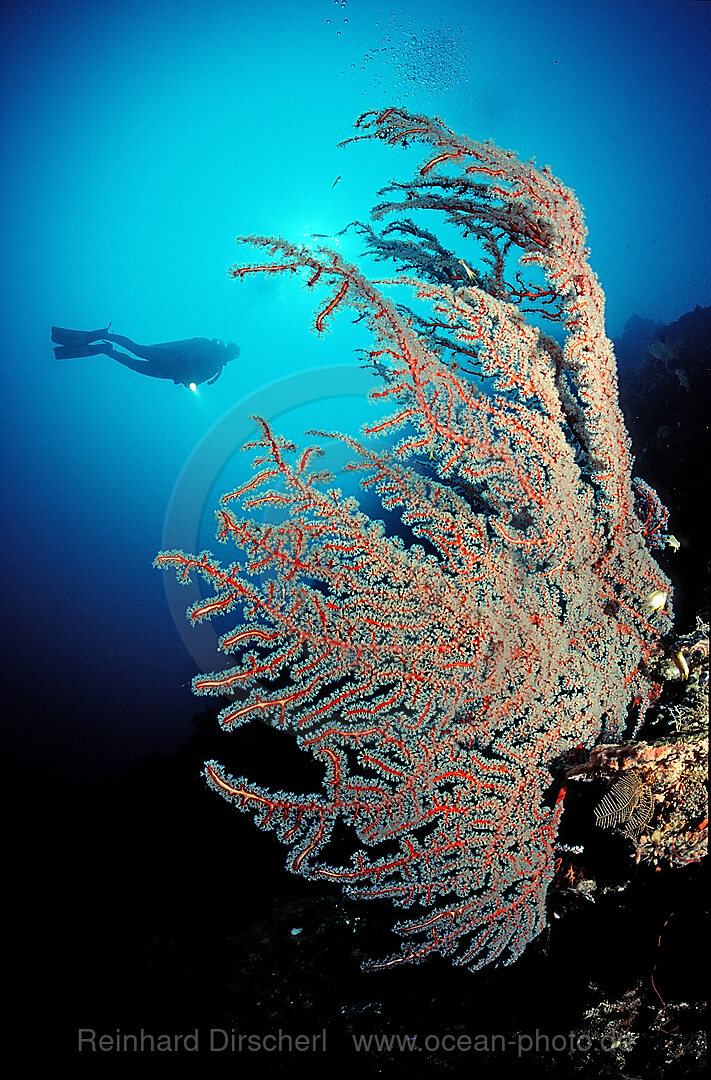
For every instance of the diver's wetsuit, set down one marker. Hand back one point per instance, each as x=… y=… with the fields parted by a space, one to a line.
x=195 y=360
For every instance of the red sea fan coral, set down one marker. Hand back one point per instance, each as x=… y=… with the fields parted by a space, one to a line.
x=436 y=683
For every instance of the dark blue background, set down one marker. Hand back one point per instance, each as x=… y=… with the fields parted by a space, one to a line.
x=139 y=139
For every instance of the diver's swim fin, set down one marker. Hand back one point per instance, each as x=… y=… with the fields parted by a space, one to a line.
x=62 y=336
x=71 y=352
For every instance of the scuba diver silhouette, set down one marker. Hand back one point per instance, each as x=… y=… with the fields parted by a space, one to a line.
x=188 y=363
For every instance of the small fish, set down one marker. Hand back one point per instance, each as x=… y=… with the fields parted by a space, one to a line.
x=335 y=182
x=656 y=600
x=470 y=273
x=681 y=664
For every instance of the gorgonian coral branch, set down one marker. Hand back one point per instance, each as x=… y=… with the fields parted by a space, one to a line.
x=437 y=681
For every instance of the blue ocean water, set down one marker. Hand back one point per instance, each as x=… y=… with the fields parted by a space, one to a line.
x=139 y=140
